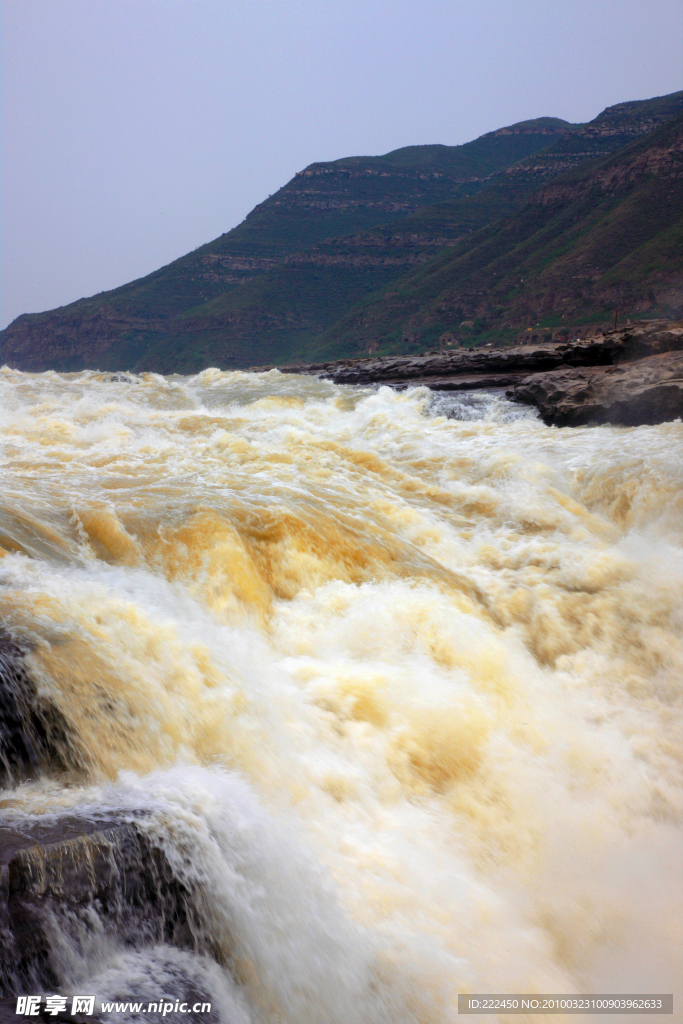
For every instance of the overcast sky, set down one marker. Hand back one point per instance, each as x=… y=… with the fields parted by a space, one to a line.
x=135 y=130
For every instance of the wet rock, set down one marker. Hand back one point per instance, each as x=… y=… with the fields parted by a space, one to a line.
x=69 y=883
x=34 y=735
x=630 y=394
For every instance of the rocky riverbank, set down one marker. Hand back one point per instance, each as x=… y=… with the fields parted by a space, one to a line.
x=629 y=376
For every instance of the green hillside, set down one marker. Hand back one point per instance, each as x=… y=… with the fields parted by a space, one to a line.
x=323 y=200
x=288 y=312
x=606 y=235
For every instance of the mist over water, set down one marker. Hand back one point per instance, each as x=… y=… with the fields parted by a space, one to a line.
x=395 y=678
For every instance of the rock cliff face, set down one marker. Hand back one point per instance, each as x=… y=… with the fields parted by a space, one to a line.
x=626 y=377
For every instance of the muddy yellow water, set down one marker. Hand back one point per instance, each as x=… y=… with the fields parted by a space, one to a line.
x=405 y=688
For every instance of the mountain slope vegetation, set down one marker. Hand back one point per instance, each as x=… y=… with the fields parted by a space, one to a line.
x=337 y=234
x=605 y=235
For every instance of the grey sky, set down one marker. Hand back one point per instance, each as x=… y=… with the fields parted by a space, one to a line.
x=135 y=130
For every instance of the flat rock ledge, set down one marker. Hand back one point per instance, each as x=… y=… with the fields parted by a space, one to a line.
x=627 y=377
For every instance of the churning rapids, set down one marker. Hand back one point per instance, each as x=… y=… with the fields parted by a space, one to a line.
x=392 y=679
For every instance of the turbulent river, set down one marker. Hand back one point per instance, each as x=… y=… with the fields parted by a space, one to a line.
x=394 y=679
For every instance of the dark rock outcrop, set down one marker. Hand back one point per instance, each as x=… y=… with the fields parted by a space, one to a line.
x=62 y=877
x=647 y=391
x=34 y=736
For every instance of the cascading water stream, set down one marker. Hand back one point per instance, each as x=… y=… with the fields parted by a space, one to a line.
x=325 y=704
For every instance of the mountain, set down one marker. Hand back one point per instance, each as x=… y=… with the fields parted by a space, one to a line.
x=286 y=313
x=605 y=235
x=326 y=199
x=339 y=232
